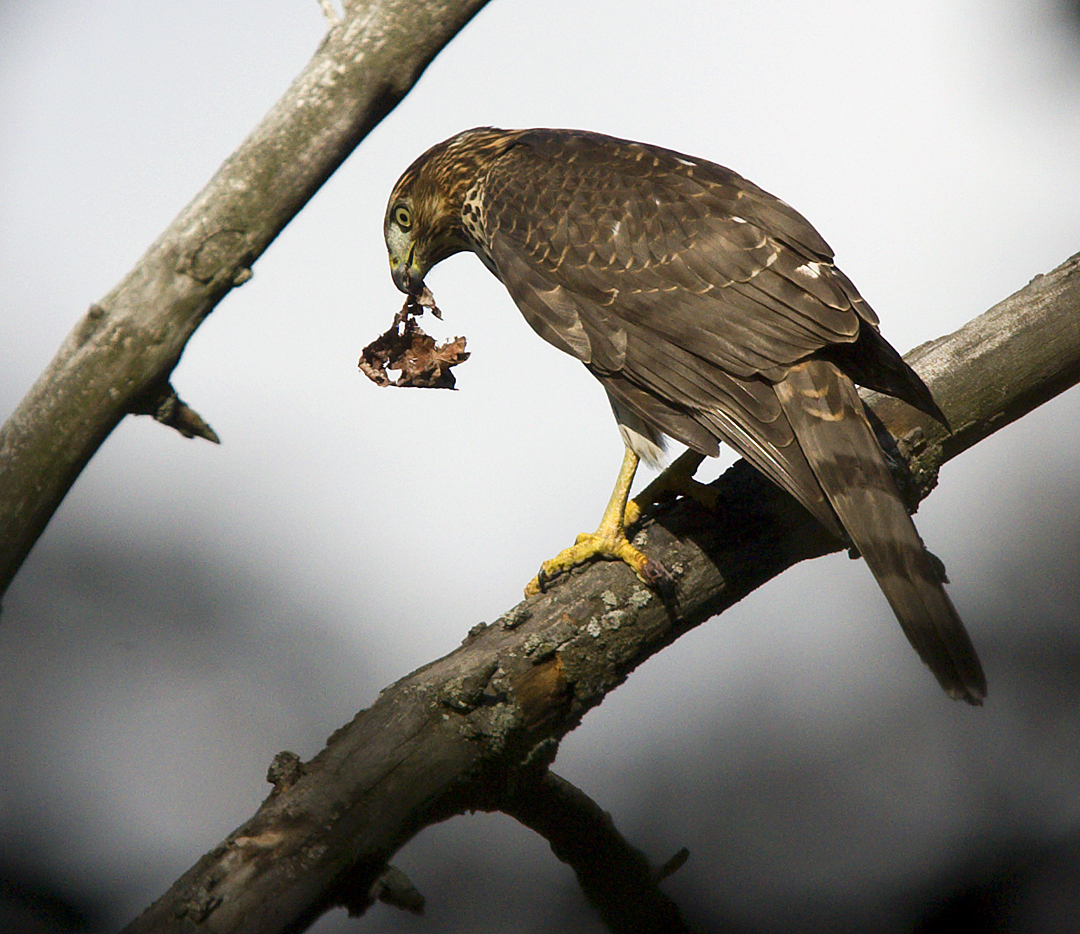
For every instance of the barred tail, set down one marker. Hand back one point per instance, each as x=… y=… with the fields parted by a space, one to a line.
x=827 y=416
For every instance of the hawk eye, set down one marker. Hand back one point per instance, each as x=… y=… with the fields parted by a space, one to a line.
x=402 y=216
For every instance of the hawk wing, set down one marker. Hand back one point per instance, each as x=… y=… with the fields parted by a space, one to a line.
x=683 y=287
x=614 y=231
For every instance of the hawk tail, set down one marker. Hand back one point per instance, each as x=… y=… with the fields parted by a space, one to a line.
x=827 y=416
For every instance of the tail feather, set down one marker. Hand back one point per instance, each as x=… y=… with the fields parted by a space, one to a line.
x=826 y=413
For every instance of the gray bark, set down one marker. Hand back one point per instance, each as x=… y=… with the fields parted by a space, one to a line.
x=462 y=732
x=118 y=358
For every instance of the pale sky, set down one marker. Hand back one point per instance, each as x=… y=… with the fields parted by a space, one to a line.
x=194 y=609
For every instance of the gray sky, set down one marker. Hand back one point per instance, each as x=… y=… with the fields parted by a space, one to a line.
x=194 y=609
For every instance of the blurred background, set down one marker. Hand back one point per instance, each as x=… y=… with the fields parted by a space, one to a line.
x=192 y=610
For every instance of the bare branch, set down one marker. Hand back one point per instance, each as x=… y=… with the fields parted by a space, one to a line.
x=615 y=876
x=130 y=341
x=455 y=734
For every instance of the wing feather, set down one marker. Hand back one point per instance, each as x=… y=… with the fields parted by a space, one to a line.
x=686 y=289
x=705 y=258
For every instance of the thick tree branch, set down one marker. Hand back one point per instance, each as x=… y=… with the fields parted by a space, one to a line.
x=127 y=344
x=454 y=735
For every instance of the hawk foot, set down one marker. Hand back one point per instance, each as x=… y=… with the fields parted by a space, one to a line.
x=590 y=545
x=677 y=479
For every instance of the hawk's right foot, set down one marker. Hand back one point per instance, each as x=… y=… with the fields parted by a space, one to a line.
x=675 y=480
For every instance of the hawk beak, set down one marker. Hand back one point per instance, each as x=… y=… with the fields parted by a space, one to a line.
x=406 y=274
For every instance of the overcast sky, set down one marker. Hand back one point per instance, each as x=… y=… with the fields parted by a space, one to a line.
x=193 y=609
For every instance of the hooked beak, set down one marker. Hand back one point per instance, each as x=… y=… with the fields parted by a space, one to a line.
x=406 y=274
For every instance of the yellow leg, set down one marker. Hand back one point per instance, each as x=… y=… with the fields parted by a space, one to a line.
x=608 y=541
x=678 y=478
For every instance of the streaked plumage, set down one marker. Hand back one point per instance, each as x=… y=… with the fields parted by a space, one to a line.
x=709 y=310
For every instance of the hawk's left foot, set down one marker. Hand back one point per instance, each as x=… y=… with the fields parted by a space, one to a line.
x=608 y=541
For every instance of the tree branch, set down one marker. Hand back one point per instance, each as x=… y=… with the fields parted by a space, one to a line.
x=615 y=876
x=123 y=350
x=453 y=735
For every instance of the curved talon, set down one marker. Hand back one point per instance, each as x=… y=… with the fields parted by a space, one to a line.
x=538 y=584
x=547 y=573
x=657 y=576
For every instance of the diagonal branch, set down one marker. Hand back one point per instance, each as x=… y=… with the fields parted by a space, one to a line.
x=615 y=876
x=453 y=735
x=118 y=358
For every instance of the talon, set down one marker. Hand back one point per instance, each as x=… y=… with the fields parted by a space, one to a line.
x=657 y=576
x=539 y=584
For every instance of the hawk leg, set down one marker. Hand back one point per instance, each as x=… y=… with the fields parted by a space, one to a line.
x=609 y=541
x=677 y=478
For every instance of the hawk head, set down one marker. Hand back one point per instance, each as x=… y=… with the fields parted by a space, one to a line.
x=424 y=221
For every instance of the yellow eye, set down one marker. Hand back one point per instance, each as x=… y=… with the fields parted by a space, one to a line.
x=402 y=216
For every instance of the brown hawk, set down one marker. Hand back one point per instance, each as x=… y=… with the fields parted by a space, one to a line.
x=710 y=311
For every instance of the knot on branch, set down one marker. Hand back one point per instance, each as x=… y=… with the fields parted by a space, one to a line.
x=467 y=692
x=922 y=459
x=221 y=250
x=394 y=888
x=511 y=619
x=91 y=323
x=199 y=901
x=285 y=771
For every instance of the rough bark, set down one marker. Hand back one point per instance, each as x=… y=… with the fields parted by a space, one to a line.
x=118 y=358
x=460 y=732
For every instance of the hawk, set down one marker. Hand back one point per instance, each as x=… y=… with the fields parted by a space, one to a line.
x=710 y=311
